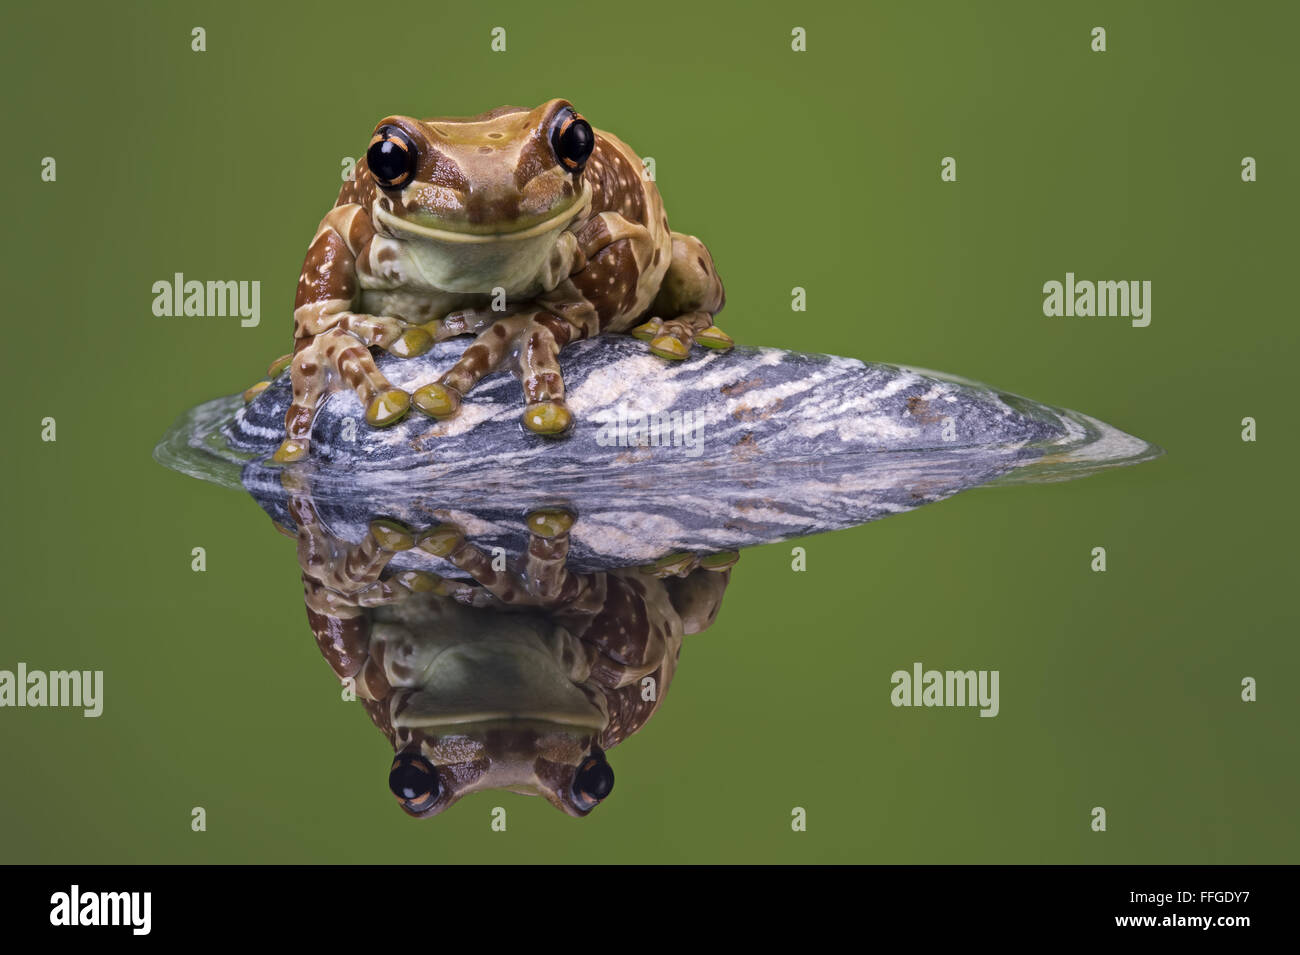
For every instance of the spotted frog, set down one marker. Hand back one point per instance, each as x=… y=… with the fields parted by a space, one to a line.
x=524 y=227
x=520 y=677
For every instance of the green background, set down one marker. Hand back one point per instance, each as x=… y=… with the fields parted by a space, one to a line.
x=816 y=169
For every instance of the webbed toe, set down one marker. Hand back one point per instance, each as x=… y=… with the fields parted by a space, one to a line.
x=648 y=331
x=440 y=540
x=667 y=346
x=437 y=400
x=548 y=418
x=391 y=534
x=412 y=342
x=289 y=451
x=387 y=407
x=714 y=337
x=549 y=522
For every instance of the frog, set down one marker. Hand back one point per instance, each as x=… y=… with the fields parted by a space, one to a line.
x=519 y=677
x=526 y=228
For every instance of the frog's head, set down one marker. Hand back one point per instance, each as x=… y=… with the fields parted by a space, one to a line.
x=491 y=700
x=482 y=198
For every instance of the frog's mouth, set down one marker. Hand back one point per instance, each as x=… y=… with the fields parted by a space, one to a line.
x=477 y=263
x=553 y=223
x=489 y=718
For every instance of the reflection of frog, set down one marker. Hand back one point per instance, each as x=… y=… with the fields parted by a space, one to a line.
x=525 y=227
x=520 y=680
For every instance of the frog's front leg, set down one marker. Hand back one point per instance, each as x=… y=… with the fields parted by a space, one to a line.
x=353 y=575
x=332 y=341
x=690 y=295
x=533 y=341
x=543 y=579
x=335 y=355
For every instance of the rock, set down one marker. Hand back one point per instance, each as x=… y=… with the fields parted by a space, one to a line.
x=748 y=406
x=740 y=448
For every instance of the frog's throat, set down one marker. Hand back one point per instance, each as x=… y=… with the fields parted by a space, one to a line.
x=487 y=678
x=555 y=223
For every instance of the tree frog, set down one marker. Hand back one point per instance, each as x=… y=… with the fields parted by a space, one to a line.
x=526 y=228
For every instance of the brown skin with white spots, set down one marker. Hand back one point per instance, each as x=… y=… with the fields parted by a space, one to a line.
x=520 y=680
x=523 y=227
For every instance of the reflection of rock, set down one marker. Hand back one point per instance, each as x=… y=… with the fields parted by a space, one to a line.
x=640 y=519
x=519 y=679
x=750 y=406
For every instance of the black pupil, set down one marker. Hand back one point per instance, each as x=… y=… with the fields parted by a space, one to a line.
x=412 y=779
x=595 y=779
x=391 y=159
x=574 y=140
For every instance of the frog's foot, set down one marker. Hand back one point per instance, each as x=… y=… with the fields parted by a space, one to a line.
x=689 y=296
x=715 y=338
x=391 y=535
x=412 y=342
x=542 y=580
x=290 y=451
x=649 y=331
x=387 y=407
x=533 y=340
x=683 y=563
x=677 y=564
x=440 y=539
x=547 y=418
x=549 y=523
x=672 y=339
x=272 y=373
x=720 y=561
x=391 y=334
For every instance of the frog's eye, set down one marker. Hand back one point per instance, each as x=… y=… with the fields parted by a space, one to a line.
x=593 y=781
x=572 y=138
x=392 y=157
x=414 y=782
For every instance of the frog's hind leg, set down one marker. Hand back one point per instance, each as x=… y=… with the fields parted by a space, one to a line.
x=335 y=355
x=308 y=381
x=690 y=295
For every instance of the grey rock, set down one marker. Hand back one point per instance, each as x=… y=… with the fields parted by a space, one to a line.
x=750 y=406
x=753 y=445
